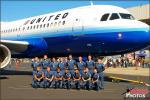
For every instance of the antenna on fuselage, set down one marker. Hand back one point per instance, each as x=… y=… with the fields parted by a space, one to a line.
x=91 y=2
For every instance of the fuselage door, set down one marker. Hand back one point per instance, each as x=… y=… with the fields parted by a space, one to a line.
x=77 y=27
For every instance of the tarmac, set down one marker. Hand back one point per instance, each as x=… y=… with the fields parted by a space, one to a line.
x=15 y=84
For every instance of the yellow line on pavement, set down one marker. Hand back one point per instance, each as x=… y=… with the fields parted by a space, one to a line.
x=133 y=81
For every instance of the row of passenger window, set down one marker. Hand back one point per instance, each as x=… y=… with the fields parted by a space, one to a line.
x=55 y=24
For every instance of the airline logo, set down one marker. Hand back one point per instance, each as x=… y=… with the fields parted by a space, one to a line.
x=46 y=18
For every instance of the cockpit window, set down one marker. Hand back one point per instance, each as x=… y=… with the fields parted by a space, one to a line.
x=104 y=17
x=126 y=16
x=114 y=16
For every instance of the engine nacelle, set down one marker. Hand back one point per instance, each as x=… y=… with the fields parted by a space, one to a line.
x=5 y=56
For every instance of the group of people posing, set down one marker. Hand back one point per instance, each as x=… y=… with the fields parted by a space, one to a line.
x=67 y=73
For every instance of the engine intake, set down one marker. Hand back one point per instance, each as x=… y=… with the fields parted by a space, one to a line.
x=5 y=56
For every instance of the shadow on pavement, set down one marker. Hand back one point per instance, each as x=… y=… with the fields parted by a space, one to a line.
x=3 y=77
x=14 y=72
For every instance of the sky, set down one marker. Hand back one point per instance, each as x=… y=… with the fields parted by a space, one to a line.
x=14 y=10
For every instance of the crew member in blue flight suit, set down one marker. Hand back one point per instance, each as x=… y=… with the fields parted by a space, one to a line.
x=71 y=64
x=45 y=62
x=58 y=78
x=90 y=64
x=62 y=65
x=38 y=77
x=81 y=64
x=100 y=68
x=35 y=63
x=49 y=77
x=77 y=78
x=95 y=80
x=86 y=77
x=67 y=79
x=54 y=64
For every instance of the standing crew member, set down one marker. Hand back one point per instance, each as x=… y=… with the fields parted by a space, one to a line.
x=86 y=77
x=77 y=78
x=38 y=77
x=100 y=68
x=62 y=65
x=45 y=62
x=36 y=62
x=95 y=80
x=54 y=65
x=67 y=79
x=71 y=64
x=49 y=76
x=58 y=78
x=81 y=64
x=90 y=64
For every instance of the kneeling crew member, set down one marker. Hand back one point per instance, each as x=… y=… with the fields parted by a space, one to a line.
x=77 y=78
x=86 y=77
x=38 y=77
x=95 y=80
x=67 y=79
x=58 y=78
x=49 y=76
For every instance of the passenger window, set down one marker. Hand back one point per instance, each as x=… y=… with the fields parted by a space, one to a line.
x=47 y=24
x=51 y=25
x=41 y=26
x=63 y=23
x=104 y=17
x=59 y=23
x=55 y=24
x=37 y=26
x=44 y=25
x=114 y=16
x=34 y=26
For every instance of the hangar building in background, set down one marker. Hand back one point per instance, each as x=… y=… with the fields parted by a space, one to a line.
x=141 y=13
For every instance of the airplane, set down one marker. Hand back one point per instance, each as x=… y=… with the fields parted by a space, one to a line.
x=95 y=29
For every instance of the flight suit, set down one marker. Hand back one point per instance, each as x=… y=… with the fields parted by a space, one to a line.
x=62 y=66
x=80 y=66
x=86 y=83
x=36 y=83
x=58 y=83
x=48 y=75
x=71 y=64
x=54 y=66
x=77 y=82
x=95 y=78
x=35 y=64
x=100 y=68
x=66 y=81
x=90 y=64
x=45 y=63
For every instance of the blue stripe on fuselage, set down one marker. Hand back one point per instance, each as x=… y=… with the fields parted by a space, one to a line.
x=99 y=43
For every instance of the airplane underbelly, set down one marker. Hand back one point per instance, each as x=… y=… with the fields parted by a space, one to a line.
x=96 y=43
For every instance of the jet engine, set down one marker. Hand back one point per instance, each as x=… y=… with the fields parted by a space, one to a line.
x=5 y=56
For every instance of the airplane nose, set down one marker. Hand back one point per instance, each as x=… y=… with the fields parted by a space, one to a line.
x=145 y=38
x=139 y=36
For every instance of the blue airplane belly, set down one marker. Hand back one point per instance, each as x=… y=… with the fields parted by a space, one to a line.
x=101 y=43
x=96 y=43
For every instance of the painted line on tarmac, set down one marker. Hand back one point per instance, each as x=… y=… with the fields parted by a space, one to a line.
x=132 y=81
